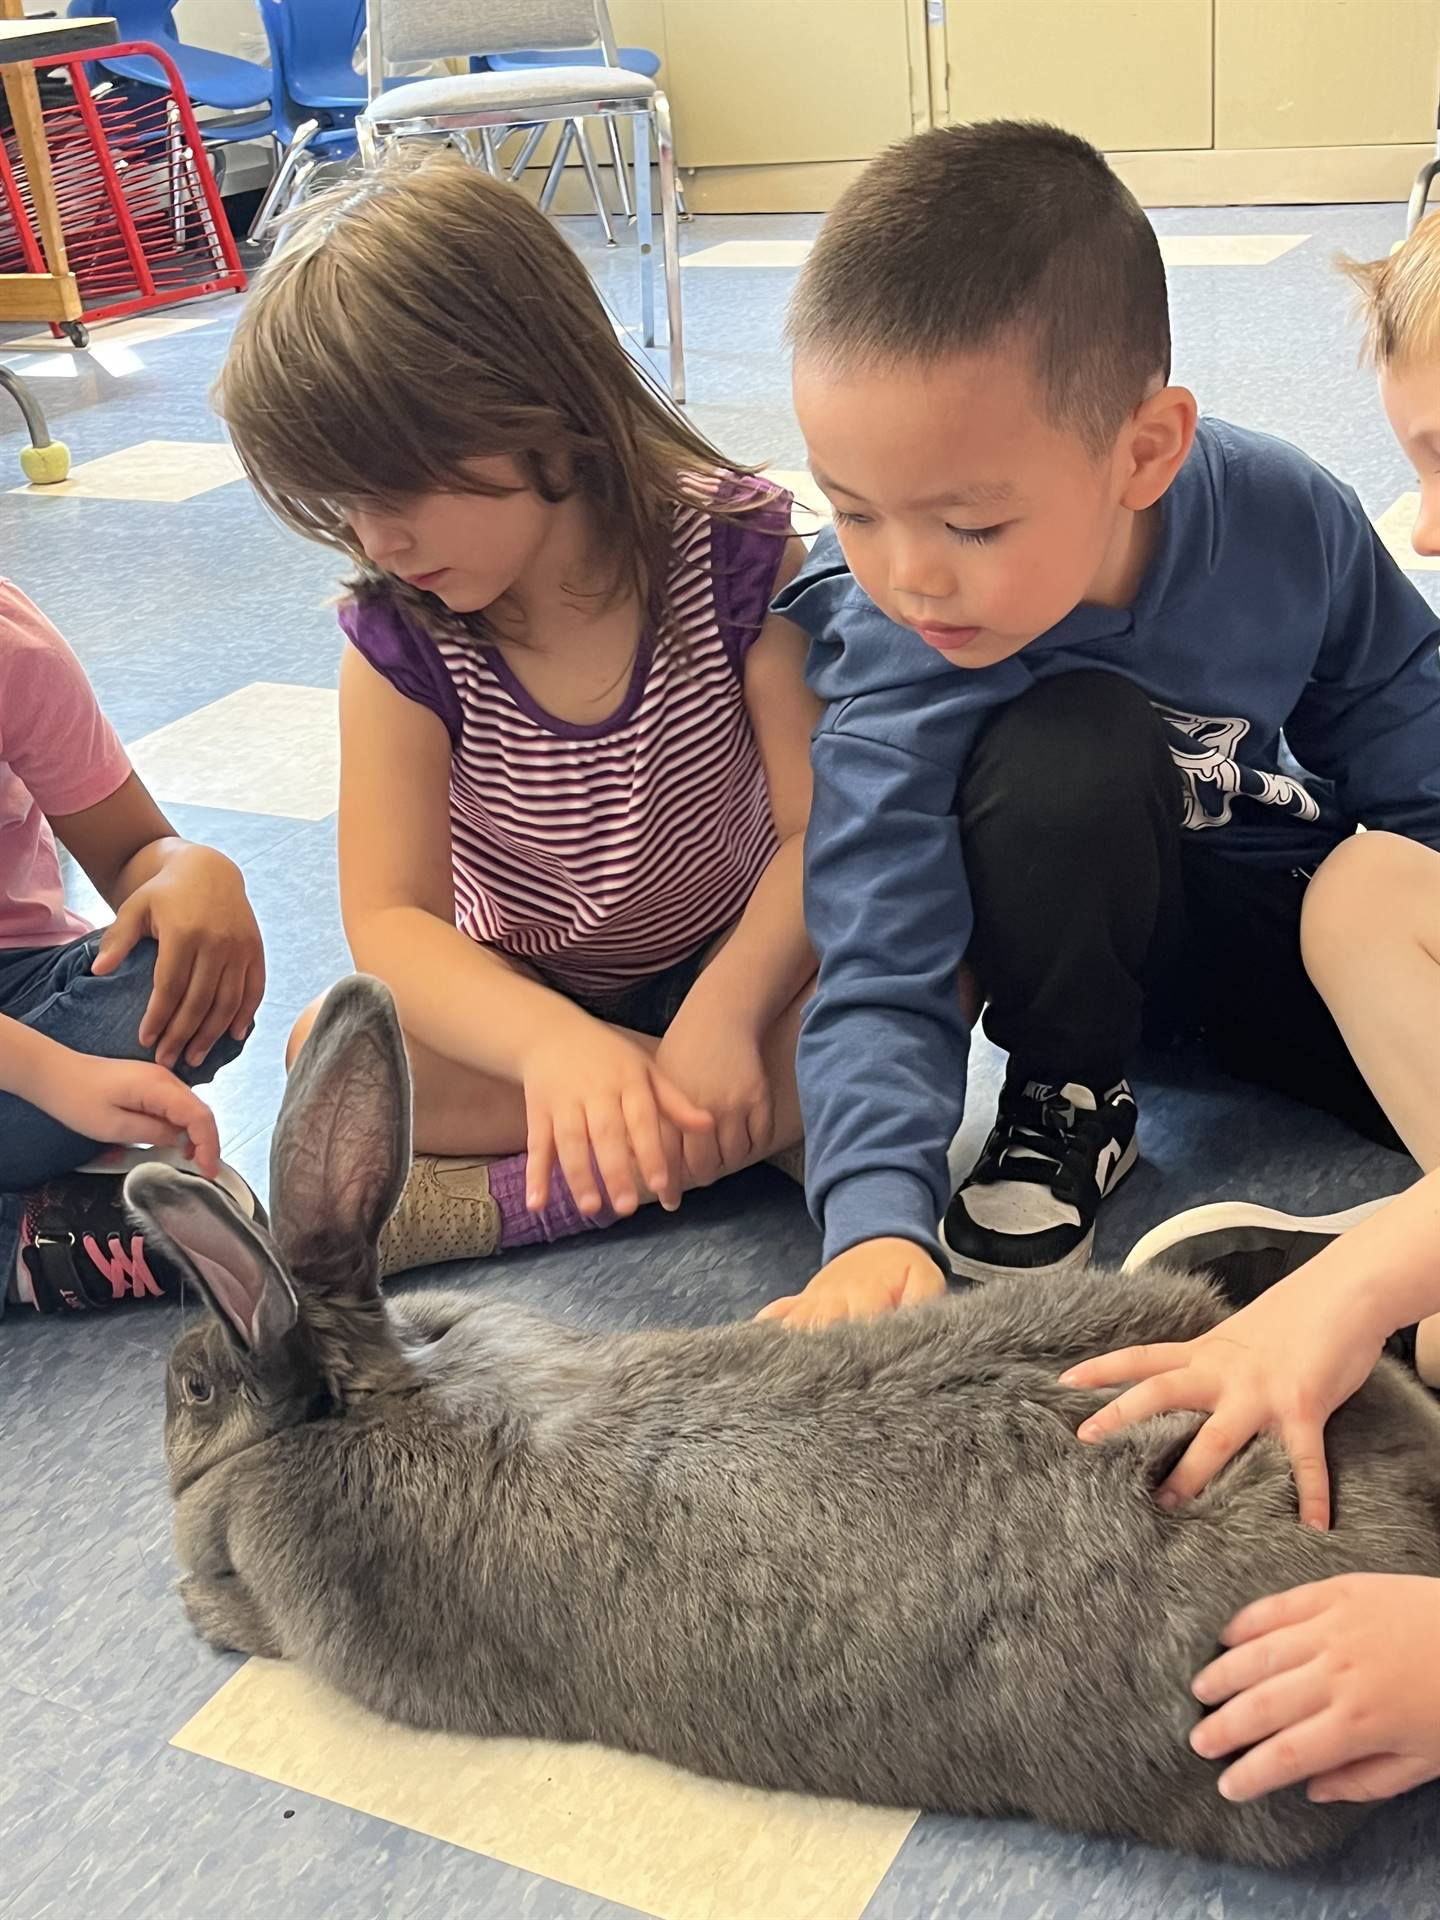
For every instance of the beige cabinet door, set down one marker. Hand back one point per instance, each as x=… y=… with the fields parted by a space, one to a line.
x=1134 y=76
x=1325 y=73
x=764 y=82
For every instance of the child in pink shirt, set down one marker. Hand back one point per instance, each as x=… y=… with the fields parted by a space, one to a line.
x=102 y=1034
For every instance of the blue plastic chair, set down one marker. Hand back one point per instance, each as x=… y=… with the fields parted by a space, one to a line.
x=221 y=81
x=632 y=59
x=318 y=93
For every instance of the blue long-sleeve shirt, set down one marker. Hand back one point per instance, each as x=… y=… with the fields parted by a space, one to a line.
x=1269 y=605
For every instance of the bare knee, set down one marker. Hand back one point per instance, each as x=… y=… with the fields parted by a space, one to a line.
x=1375 y=890
x=300 y=1032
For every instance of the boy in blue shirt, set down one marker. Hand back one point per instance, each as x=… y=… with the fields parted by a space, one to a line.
x=1066 y=635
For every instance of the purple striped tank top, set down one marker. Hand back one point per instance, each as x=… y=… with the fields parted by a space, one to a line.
x=604 y=853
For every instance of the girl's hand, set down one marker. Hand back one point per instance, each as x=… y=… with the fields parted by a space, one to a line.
x=1336 y=1683
x=127 y=1103
x=875 y=1277
x=1281 y=1365
x=594 y=1099
x=718 y=1064
x=210 y=973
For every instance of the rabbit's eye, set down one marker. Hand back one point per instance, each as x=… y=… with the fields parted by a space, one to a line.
x=197 y=1389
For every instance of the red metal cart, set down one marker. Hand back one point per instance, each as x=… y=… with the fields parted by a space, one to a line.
x=140 y=211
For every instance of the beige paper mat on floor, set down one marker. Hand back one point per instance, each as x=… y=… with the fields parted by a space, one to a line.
x=623 y=1828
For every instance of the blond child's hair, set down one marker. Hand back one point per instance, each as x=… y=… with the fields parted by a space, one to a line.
x=427 y=316
x=1400 y=299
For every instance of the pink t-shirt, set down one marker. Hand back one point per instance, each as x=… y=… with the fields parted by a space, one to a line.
x=58 y=754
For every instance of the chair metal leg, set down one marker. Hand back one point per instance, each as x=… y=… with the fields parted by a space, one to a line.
x=299 y=185
x=592 y=174
x=1420 y=195
x=644 y=229
x=527 y=151
x=367 y=142
x=669 y=221
x=279 y=187
x=31 y=410
x=490 y=147
x=621 y=166
x=557 y=166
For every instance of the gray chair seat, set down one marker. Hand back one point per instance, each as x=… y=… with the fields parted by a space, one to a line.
x=495 y=92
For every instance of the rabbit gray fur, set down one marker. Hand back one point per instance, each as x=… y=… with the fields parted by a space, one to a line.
x=872 y=1562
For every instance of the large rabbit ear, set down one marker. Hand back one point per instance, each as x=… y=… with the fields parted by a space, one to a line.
x=222 y=1252
x=341 y=1151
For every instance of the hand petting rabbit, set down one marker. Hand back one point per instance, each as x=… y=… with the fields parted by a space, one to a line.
x=873 y=1562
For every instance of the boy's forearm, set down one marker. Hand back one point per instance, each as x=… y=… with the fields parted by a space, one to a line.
x=768 y=958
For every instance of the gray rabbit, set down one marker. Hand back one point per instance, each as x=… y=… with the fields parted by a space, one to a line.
x=872 y=1562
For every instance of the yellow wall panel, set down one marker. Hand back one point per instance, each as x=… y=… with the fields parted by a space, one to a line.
x=1128 y=74
x=1325 y=73
x=764 y=82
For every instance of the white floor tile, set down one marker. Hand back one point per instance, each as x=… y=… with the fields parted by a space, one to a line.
x=750 y=253
x=1227 y=249
x=1393 y=527
x=134 y=332
x=615 y=1825
x=44 y=366
x=156 y=470
x=266 y=748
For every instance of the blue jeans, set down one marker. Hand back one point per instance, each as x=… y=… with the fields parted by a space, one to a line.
x=53 y=991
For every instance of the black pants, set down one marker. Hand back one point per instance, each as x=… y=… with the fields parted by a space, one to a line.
x=1100 y=923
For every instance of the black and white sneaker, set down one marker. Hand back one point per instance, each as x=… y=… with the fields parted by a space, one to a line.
x=1245 y=1249
x=1029 y=1206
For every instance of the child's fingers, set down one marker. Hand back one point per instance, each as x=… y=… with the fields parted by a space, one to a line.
x=172 y=978
x=778 y=1309
x=610 y=1147
x=1141 y=1402
x=1305 y=1444
x=539 y=1161
x=642 y=1123
x=1127 y=1363
x=678 y=1108
x=165 y=1113
x=124 y=931
x=921 y=1284
x=1317 y=1746
x=1257 y=1660
x=732 y=1141
x=205 y=975
x=223 y=1012
x=1270 y=1707
x=1276 y=1610
x=572 y=1151
x=251 y=996
x=1214 y=1446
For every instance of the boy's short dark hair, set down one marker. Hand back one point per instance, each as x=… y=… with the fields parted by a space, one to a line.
x=970 y=237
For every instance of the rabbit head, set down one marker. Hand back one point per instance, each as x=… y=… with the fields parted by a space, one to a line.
x=296 y=1329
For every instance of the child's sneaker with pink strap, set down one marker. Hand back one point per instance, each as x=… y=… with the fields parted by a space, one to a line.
x=80 y=1252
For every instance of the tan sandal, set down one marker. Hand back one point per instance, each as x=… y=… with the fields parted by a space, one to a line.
x=447 y=1212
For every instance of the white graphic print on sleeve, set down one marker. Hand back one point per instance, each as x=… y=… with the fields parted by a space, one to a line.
x=1205 y=750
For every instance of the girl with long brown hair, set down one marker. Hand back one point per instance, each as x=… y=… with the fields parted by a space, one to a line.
x=574 y=742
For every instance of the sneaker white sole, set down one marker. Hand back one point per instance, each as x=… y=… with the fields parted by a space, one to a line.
x=122 y=1160
x=965 y=1268
x=1228 y=1216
